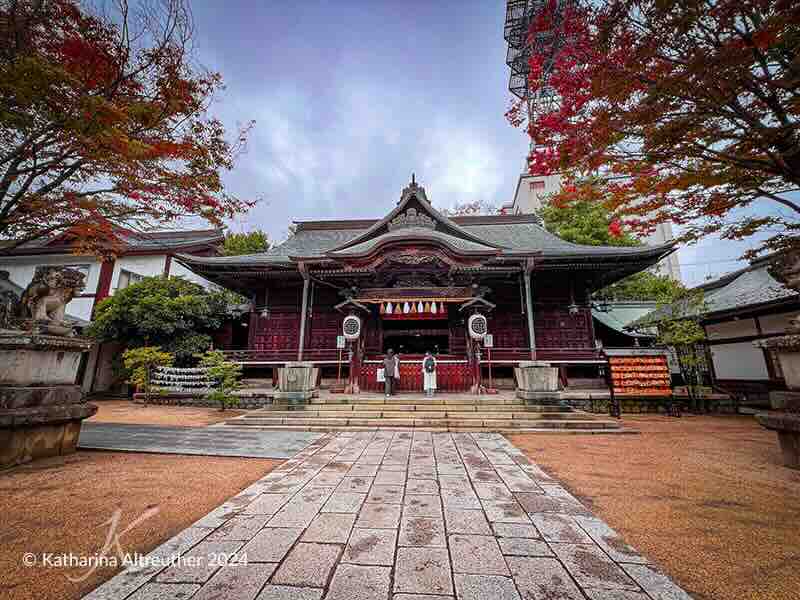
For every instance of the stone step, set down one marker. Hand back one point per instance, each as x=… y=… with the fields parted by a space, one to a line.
x=488 y=423
x=451 y=428
x=420 y=414
x=334 y=399
x=408 y=406
x=378 y=408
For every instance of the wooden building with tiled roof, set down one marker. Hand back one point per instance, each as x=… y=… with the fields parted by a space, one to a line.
x=414 y=278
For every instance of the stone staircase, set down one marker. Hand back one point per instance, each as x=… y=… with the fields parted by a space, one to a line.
x=446 y=412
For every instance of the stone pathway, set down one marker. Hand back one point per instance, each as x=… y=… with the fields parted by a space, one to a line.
x=206 y=441
x=401 y=515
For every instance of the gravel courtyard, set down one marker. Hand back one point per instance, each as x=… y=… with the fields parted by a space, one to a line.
x=707 y=498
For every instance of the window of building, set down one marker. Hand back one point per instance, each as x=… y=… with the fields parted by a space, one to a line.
x=83 y=268
x=536 y=185
x=127 y=278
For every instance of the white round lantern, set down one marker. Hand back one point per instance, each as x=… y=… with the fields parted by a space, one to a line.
x=477 y=327
x=351 y=327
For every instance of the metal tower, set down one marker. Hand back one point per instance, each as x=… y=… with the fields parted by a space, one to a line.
x=548 y=41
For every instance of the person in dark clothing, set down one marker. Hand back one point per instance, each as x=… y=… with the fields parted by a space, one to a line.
x=390 y=368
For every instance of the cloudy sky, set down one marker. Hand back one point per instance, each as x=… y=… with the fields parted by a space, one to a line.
x=350 y=97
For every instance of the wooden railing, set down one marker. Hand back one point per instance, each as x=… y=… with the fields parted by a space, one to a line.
x=559 y=354
x=331 y=355
x=328 y=355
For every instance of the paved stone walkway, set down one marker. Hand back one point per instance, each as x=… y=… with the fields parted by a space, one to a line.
x=400 y=515
x=205 y=441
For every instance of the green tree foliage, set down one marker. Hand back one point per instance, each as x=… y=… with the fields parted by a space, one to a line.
x=585 y=222
x=592 y=224
x=225 y=376
x=141 y=362
x=236 y=244
x=176 y=314
x=643 y=286
x=679 y=329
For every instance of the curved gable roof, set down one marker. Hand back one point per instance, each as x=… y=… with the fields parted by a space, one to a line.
x=414 y=197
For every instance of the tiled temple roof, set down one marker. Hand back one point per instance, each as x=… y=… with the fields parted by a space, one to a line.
x=133 y=241
x=497 y=241
x=744 y=290
x=522 y=234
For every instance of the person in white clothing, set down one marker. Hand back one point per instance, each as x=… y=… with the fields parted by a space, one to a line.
x=429 y=373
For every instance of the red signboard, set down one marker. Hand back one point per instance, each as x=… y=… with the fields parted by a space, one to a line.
x=640 y=375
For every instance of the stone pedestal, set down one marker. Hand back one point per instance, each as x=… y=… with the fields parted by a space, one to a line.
x=537 y=382
x=41 y=407
x=787 y=426
x=785 y=421
x=296 y=382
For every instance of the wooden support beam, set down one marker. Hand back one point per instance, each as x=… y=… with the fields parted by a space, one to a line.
x=304 y=313
x=529 y=306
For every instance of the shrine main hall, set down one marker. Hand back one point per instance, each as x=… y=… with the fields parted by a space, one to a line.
x=340 y=293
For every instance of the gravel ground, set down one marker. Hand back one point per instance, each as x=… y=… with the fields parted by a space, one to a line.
x=126 y=411
x=60 y=505
x=706 y=497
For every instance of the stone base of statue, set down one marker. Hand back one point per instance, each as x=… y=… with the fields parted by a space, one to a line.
x=296 y=382
x=537 y=382
x=785 y=420
x=41 y=407
x=787 y=426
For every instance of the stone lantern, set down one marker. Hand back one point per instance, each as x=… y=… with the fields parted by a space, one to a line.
x=785 y=421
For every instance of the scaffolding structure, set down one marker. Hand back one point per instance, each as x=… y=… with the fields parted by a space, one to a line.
x=522 y=42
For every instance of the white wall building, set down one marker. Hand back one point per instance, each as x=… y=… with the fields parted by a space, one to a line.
x=532 y=191
x=143 y=255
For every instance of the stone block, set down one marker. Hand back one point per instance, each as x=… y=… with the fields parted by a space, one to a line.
x=353 y=582
x=285 y=592
x=422 y=486
x=271 y=544
x=200 y=563
x=422 y=505
x=386 y=494
x=330 y=528
x=504 y=511
x=242 y=581
x=371 y=547
x=241 y=527
x=515 y=530
x=537 y=376
x=592 y=568
x=344 y=502
x=483 y=587
x=422 y=531
x=543 y=578
x=477 y=554
x=379 y=516
x=266 y=504
x=164 y=591
x=609 y=540
x=355 y=484
x=466 y=521
x=511 y=546
x=655 y=583
x=423 y=571
x=385 y=477
x=560 y=528
x=308 y=565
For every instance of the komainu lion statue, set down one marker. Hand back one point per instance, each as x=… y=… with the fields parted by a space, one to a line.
x=49 y=292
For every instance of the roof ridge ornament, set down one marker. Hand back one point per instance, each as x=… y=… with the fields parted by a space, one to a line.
x=414 y=189
x=411 y=218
